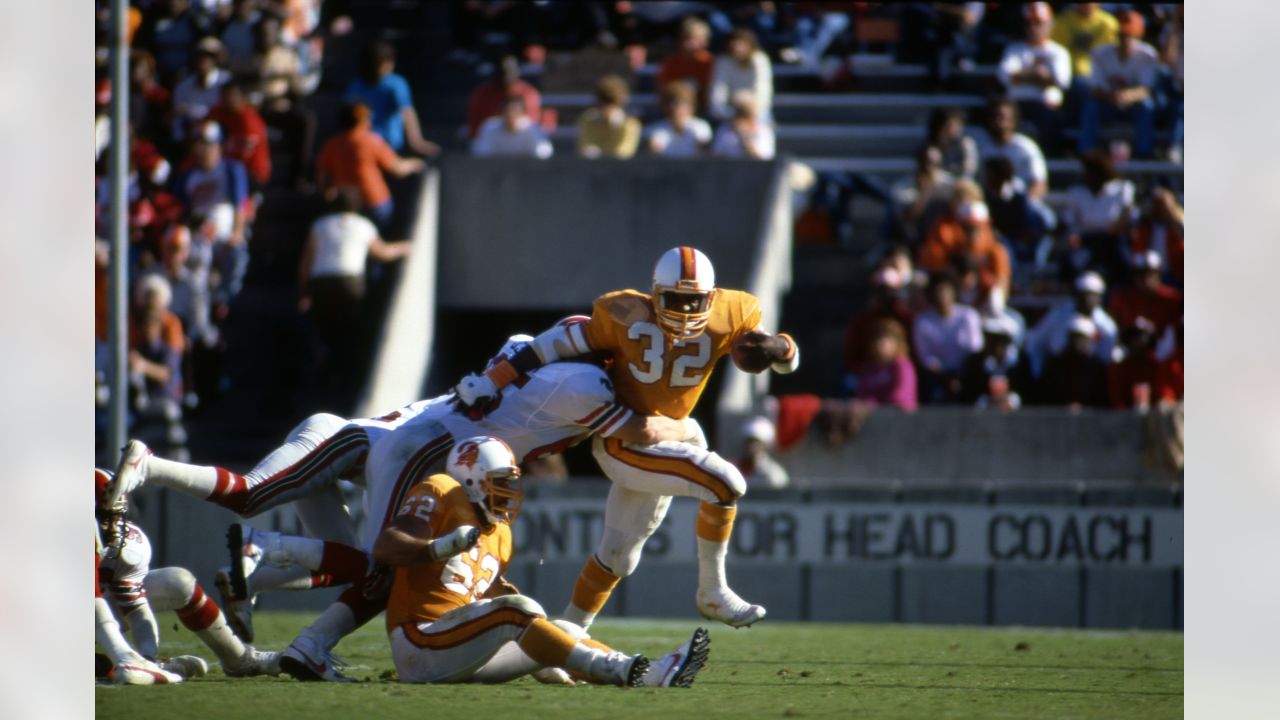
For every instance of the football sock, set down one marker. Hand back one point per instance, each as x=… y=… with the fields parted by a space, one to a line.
x=202 y=616
x=590 y=592
x=195 y=480
x=336 y=622
x=107 y=633
x=713 y=528
x=547 y=644
x=344 y=563
x=287 y=577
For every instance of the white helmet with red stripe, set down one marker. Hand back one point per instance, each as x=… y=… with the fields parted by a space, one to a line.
x=684 y=287
x=487 y=470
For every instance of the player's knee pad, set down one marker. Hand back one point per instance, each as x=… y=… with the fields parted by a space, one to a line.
x=728 y=473
x=620 y=552
x=575 y=631
x=523 y=603
x=169 y=588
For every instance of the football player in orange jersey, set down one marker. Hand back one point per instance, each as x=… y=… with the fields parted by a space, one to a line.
x=452 y=617
x=663 y=346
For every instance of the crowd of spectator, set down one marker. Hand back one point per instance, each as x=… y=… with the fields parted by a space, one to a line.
x=217 y=117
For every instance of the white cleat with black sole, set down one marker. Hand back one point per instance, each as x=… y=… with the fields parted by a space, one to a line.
x=131 y=473
x=679 y=668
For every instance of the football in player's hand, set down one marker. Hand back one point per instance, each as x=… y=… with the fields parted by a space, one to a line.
x=755 y=351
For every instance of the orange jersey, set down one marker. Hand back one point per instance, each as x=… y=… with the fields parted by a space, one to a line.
x=651 y=375
x=423 y=593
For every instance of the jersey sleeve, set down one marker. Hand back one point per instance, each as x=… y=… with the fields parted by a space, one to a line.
x=745 y=314
x=428 y=502
x=602 y=331
x=587 y=399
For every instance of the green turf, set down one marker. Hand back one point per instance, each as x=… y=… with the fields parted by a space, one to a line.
x=773 y=670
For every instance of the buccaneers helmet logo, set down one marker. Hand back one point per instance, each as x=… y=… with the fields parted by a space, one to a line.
x=468 y=454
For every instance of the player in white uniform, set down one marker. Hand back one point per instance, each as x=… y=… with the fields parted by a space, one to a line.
x=134 y=589
x=317 y=453
x=543 y=412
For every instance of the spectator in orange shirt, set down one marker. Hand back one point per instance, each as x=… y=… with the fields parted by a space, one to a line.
x=692 y=61
x=489 y=98
x=1146 y=297
x=246 y=133
x=966 y=229
x=357 y=156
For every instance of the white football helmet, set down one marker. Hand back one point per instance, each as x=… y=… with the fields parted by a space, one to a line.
x=684 y=288
x=487 y=470
x=509 y=348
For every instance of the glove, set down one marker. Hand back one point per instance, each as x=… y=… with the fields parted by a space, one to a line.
x=553 y=676
x=462 y=539
x=476 y=393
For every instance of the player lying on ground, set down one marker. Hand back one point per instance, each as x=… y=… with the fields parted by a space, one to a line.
x=663 y=347
x=547 y=411
x=122 y=567
x=452 y=618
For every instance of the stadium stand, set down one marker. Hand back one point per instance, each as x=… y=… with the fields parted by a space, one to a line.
x=855 y=87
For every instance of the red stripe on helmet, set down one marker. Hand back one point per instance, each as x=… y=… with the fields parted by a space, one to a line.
x=688 y=264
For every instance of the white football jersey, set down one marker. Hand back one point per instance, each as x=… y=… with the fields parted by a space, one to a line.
x=546 y=411
x=123 y=569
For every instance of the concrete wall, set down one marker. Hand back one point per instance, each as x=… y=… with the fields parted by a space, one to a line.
x=960 y=444
x=555 y=234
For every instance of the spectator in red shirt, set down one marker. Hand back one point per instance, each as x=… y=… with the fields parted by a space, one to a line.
x=692 y=61
x=1146 y=296
x=149 y=101
x=357 y=156
x=887 y=376
x=1133 y=381
x=245 y=132
x=885 y=302
x=488 y=98
x=1160 y=229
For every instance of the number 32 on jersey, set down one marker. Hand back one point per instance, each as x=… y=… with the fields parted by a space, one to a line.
x=687 y=369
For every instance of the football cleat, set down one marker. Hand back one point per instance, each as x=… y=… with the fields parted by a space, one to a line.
x=724 y=605
x=137 y=670
x=238 y=610
x=680 y=667
x=131 y=474
x=253 y=662
x=635 y=670
x=304 y=660
x=186 y=666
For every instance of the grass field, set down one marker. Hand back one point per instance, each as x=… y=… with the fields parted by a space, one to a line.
x=776 y=669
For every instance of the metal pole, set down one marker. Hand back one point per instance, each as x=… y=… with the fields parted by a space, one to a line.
x=117 y=370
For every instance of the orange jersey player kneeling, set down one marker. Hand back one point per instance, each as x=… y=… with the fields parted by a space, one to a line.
x=452 y=617
x=663 y=347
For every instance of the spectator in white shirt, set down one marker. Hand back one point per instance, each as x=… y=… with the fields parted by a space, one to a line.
x=1037 y=73
x=944 y=334
x=511 y=134
x=1001 y=139
x=744 y=66
x=681 y=134
x=331 y=280
x=202 y=89
x=1124 y=76
x=1049 y=337
x=1097 y=215
x=746 y=134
